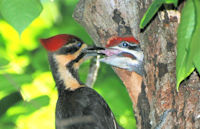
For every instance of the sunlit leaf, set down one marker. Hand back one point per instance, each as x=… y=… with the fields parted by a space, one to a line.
x=185 y=31
x=24 y=108
x=37 y=103
x=12 y=82
x=20 y=13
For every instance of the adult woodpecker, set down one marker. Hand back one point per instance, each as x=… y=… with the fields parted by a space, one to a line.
x=125 y=53
x=78 y=106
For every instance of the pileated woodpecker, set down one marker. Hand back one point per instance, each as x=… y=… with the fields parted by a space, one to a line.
x=125 y=53
x=78 y=106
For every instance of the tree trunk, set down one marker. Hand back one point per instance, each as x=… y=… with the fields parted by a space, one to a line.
x=156 y=102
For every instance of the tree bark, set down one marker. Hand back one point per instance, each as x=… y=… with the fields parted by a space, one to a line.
x=156 y=102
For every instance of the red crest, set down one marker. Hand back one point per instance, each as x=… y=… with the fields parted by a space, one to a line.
x=56 y=42
x=113 y=41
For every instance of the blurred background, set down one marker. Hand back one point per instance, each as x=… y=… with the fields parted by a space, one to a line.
x=27 y=91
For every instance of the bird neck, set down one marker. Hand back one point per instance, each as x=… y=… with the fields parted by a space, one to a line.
x=66 y=77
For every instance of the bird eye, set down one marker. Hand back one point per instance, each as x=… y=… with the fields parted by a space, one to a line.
x=79 y=44
x=125 y=44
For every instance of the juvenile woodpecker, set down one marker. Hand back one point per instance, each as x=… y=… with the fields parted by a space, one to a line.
x=125 y=53
x=78 y=106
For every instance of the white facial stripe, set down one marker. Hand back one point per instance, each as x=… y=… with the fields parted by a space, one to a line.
x=122 y=62
x=138 y=54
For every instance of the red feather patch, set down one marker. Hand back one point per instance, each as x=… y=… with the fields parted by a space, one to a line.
x=54 y=43
x=128 y=55
x=113 y=41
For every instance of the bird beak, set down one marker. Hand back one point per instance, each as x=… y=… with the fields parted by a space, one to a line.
x=131 y=60
x=93 y=51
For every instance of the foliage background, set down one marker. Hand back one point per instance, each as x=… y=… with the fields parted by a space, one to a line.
x=27 y=90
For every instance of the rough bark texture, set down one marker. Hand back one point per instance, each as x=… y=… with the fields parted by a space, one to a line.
x=155 y=100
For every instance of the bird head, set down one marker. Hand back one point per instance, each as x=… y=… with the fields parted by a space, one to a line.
x=68 y=49
x=125 y=53
x=66 y=53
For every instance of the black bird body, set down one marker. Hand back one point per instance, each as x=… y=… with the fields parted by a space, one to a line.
x=83 y=108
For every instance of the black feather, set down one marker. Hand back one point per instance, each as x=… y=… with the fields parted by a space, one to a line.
x=83 y=103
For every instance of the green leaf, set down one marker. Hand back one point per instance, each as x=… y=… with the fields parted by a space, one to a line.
x=24 y=108
x=35 y=104
x=9 y=100
x=197 y=63
x=175 y=2
x=185 y=31
x=20 y=13
x=12 y=82
x=150 y=12
x=194 y=53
